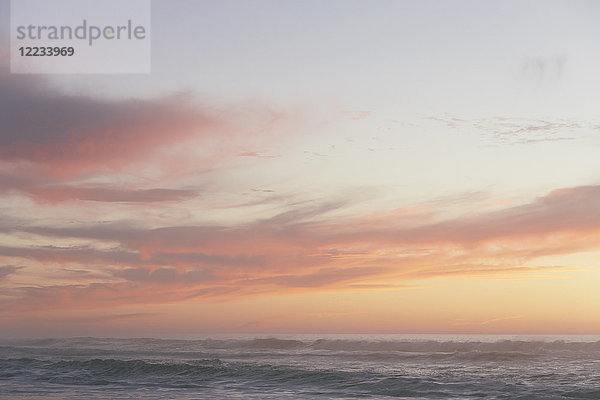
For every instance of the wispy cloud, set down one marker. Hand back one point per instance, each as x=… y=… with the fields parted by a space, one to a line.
x=462 y=322
x=43 y=191
x=302 y=249
x=6 y=270
x=515 y=131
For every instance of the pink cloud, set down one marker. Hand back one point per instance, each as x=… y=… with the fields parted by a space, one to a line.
x=52 y=141
x=66 y=135
x=303 y=250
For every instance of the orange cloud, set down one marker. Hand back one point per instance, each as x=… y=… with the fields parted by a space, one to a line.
x=303 y=250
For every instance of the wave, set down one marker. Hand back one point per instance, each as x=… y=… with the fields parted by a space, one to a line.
x=300 y=367
x=456 y=346
x=277 y=347
x=111 y=373
x=168 y=374
x=201 y=376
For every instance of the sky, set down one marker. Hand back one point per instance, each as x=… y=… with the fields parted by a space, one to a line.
x=311 y=167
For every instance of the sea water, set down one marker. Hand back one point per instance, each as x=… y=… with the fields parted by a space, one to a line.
x=303 y=367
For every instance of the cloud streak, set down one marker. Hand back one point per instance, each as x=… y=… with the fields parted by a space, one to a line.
x=516 y=131
x=6 y=270
x=302 y=250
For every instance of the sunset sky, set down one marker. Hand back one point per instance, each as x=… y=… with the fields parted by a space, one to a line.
x=311 y=166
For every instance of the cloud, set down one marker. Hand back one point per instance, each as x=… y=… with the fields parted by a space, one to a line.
x=515 y=131
x=73 y=255
x=568 y=210
x=461 y=322
x=86 y=255
x=44 y=191
x=563 y=211
x=166 y=275
x=6 y=270
x=62 y=193
x=258 y=154
x=322 y=277
x=357 y=115
x=98 y=295
x=66 y=134
x=305 y=249
x=56 y=146
x=103 y=319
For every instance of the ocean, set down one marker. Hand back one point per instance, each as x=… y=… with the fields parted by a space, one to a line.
x=303 y=367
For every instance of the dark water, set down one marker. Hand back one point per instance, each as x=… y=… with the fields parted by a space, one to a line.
x=303 y=367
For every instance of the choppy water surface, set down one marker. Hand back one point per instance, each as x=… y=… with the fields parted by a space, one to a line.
x=303 y=367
